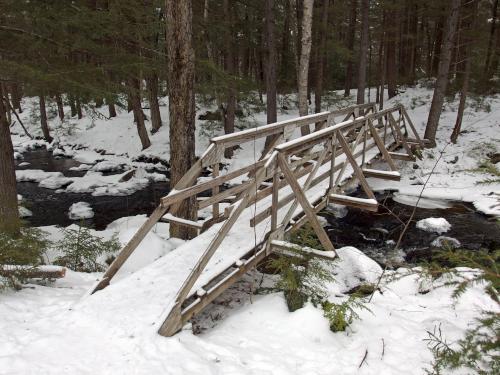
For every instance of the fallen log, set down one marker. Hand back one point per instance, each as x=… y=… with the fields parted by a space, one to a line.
x=33 y=272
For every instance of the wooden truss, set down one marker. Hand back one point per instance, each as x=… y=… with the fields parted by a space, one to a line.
x=284 y=183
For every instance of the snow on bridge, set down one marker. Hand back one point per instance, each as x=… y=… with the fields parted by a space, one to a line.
x=294 y=178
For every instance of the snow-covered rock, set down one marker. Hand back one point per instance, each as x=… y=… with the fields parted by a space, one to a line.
x=443 y=241
x=80 y=210
x=434 y=224
x=354 y=268
x=24 y=212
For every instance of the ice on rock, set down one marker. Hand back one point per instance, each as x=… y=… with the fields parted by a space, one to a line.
x=80 y=210
x=338 y=210
x=24 y=212
x=434 y=224
x=444 y=241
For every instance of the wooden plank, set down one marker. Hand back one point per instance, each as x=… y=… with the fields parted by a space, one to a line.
x=400 y=135
x=129 y=248
x=180 y=194
x=401 y=156
x=169 y=218
x=355 y=166
x=412 y=127
x=381 y=146
x=306 y=206
x=215 y=191
x=385 y=175
x=288 y=248
x=174 y=322
x=363 y=203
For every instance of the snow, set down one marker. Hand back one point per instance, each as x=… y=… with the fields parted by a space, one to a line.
x=80 y=210
x=24 y=212
x=434 y=224
x=55 y=328
x=444 y=241
x=355 y=268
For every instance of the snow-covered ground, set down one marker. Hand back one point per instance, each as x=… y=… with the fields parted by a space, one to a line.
x=52 y=330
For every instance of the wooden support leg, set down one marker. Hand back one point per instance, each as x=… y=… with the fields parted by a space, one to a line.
x=308 y=210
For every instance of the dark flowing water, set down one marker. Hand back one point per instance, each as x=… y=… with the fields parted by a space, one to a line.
x=376 y=233
x=51 y=208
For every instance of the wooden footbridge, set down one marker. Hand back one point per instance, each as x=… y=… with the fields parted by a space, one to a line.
x=251 y=209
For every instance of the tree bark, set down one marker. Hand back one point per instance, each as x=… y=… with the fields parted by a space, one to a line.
x=154 y=107
x=391 y=66
x=350 y=46
x=135 y=100
x=9 y=213
x=442 y=78
x=60 y=107
x=180 y=72
x=363 y=51
x=111 y=108
x=471 y=23
x=79 y=109
x=318 y=91
x=489 y=51
x=271 y=63
x=43 y=120
x=230 y=111
x=305 y=52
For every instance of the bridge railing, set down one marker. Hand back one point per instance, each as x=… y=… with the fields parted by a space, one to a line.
x=281 y=174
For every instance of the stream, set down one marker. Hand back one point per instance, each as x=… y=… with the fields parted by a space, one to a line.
x=375 y=233
x=51 y=208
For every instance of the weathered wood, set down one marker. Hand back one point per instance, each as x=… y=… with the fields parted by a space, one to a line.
x=363 y=203
x=355 y=166
x=306 y=206
x=129 y=249
x=215 y=190
x=169 y=218
x=400 y=135
x=381 y=146
x=173 y=322
x=401 y=156
x=385 y=175
x=288 y=248
x=33 y=272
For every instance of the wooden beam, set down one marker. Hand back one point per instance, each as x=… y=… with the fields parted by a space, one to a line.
x=288 y=248
x=306 y=206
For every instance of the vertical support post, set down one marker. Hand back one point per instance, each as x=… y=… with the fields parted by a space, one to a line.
x=364 y=143
x=332 y=163
x=215 y=191
x=274 y=203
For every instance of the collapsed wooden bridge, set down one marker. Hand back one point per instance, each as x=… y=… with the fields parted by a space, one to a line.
x=294 y=178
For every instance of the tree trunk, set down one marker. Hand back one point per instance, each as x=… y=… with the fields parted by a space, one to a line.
x=230 y=112
x=9 y=214
x=72 y=105
x=351 y=32
x=471 y=24
x=363 y=51
x=154 y=108
x=60 y=107
x=79 y=109
x=305 y=52
x=180 y=69
x=111 y=108
x=135 y=100
x=318 y=92
x=271 y=63
x=43 y=120
x=489 y=51
x=391 y=66
x=442 y=78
